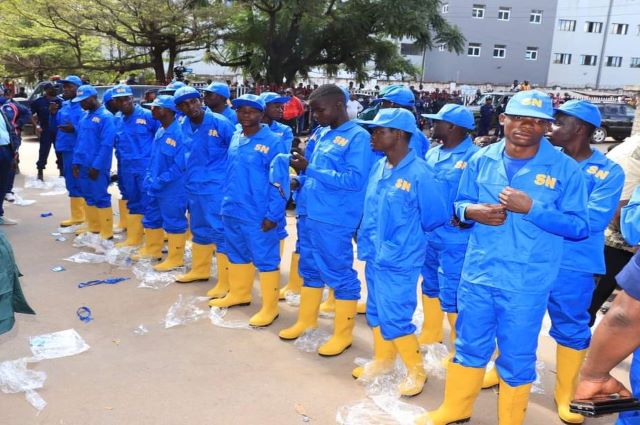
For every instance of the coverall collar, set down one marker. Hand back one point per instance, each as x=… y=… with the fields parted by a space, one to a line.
x=264 y=129
x=461 y=148
x=411 y=156
x=545 y=156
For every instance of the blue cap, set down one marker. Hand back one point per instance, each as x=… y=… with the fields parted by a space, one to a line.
x=397 y=94
x=271 y=97
x=397 y=118
x=72 y=79
x=184 y=93
x=583 y=110
x=530 y=103
x=219 y=88
x=171 y=87
x=85 y=92
x=347 y=94
x=454 y=114
x=121 y=90
x=249 y=100
x=164 y=101
x=107 y=96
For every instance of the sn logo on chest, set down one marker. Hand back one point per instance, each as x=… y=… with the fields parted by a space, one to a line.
x=262 y=148
x=95 y=120
x=460 y=165
x=594 y=170
x=213 y=132
x=340 y=141
x=545 y=180
x=171 y=142
x=141 y=121
x=402 y=184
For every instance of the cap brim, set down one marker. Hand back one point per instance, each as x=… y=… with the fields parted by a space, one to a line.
x=239 y=103
x=556 y=110
x=432 y=116
x=529 y=113
x=121 y=95
x=81 y=98
x=186 y=96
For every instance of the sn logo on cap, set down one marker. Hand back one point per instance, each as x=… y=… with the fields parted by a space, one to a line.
x=531 y=101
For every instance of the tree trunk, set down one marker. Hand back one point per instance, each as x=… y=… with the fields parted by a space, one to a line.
x=158 y=65
x=636 y=120
x=172 y=61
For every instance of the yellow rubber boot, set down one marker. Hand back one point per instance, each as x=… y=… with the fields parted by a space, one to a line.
x=432 y=325
x=105 y=218
x=76 y=206
x=568 y=363
x=461 y=389
x=295 y=281
x=310 y=299
x=240 y=285
x=491 y=378
x=384 y=354
x=175 y=257
x=409 y=350
x=91 y=219
x=344 y=323
x=135 y=231
x=222 y=286
x=451 y=318
x=329 y=305
x=124 y=215
x=512 y=403
x=269 y=285
x=152 y=248
x=201 y=257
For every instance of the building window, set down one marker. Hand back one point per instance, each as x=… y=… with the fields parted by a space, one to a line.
x=531 y=54
x=410 y=49
x=473 y=49
x=535 y=17
x=635 y=63
x=589 y=60
x=621 y=29
x=593 y=27
x=504 y=14
x=445 y=8
x=614 y=61
x=478 y=11
x=567 y=25
x=499 y=51
x=442 y=47
x=562 y=58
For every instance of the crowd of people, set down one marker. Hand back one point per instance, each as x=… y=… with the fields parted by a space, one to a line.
x=500 y=235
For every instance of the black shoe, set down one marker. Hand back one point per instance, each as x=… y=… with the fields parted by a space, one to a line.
x=40 y=176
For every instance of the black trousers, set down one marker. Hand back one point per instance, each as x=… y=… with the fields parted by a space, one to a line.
x=615 y=259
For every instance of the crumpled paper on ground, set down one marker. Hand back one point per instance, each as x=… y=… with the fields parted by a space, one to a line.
x=311 y=340
x=216 y=315
x=185 y=310
x=16 y=377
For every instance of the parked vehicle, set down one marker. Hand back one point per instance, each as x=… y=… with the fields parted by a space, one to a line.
x=617 y=120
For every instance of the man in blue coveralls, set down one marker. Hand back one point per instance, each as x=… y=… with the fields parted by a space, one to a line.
x=92 y=157
x=135 y=130
x=448 y=243
x=252 y=207
x=207 y=136
x=215 y=97
x=164 y=183
x=66 y=121
x=334 y=184
x=522 y=197
x=40 y=112
x=402 y=202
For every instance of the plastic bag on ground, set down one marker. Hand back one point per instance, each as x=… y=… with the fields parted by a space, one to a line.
x=216 y=315
x=15 y=377
x=185 y=310
x=149 y=278
x=22 y=202
x=379 y=410
x=86 y=258
x=434 y=355
x=52 y=183
x=58 y=344
x=292 y=299
x=93 y=241
x=141 y=330
x=537 y=387
x=311 y=339
x=69 y=229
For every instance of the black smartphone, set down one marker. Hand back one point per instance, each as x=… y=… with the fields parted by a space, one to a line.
x=604 y=405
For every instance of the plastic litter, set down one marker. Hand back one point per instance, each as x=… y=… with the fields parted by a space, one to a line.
x=61 y=239
x=311 y=339
x=53 y=183
x=184 y=310
x=84 y=314
x=46 y=214
x=22 y=202
x=216 y=315
x=292 y=299
x=58 y=269
x=67 y=230
x=115 y=256
x=140 y=330
x=57 y=344
x=93 y=241
x=111 y=281
x=149 y=278
x=434 y=355
x=56 y=234
x=379 y=410
x=15 y=377
x=537 y=387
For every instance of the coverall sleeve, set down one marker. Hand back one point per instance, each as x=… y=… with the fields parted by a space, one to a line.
x=467 y=191
x=604 y=200
x=177 y=168
x=431 y=200
x=287 y=138
x=568 y=217
x=278 y=182
x=107 y=138
x=630 y=219
x=358 y=161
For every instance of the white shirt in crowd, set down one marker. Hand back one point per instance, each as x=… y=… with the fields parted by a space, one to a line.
x=353 y=109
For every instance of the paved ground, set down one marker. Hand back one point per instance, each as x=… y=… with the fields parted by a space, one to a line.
x=193 y=374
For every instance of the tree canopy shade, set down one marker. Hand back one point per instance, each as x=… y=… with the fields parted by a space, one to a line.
x=279 y=40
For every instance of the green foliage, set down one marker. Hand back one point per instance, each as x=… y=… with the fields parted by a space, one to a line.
x=284 y=39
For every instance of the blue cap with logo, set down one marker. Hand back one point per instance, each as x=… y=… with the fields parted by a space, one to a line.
x=163 y=101
x=185 y=93
x=171 y=88
x=583 y=110
x=219 y=88
x=271 y=97
x=530 y=103
x=454 y=114
x=107 y=96
x=85 y=92
x=397 y=118
x=121 y=90
x=398 y=94
x=250 y=100
x=72 y=79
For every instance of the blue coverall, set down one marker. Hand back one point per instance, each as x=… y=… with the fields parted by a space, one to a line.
x=572 y=290
x=206 y=160
x=96 y=136
x=165 y=182
x=447 y=244
x=134 y=142
x=230 y=114
x=301 y=205
x=509 y=269
x=285 y=132
x=333 y=190
x=400 y=205
x=249 y=197
x=69 y=113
